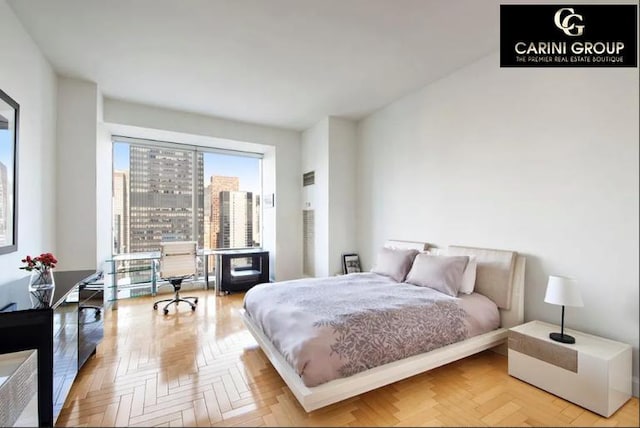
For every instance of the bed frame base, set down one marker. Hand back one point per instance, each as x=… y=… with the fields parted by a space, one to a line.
x=340 y=389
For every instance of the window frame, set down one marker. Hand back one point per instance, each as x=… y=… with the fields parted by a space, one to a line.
x=195 y=149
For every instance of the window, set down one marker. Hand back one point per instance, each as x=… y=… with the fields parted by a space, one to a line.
x=167 y=191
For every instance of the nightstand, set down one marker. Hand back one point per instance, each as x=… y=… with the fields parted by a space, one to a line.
x=594 y=373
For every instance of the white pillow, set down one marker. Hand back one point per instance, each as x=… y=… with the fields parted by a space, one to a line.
x=469 y=276
x=442 y=273
x=394 y=263
x=468 y=283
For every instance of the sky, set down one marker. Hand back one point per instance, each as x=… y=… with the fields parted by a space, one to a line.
x=6 y=152
x=246 y=168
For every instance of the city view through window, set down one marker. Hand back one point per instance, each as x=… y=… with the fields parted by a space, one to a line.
x=174 y=194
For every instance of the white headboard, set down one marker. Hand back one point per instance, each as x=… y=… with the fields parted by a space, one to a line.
x=500 y=276
x=406 y=245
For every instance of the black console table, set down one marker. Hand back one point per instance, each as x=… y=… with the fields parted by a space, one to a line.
x=231 y=278
x=64 y=334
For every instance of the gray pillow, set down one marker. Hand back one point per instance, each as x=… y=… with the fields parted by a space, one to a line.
x=442 y=273
x=394 y=263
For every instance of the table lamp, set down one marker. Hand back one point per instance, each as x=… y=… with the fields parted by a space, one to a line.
x=562 y=291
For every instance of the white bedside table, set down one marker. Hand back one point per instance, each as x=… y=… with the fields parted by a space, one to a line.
x=594 y=373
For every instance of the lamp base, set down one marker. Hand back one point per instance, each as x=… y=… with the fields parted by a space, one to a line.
x=564 y=338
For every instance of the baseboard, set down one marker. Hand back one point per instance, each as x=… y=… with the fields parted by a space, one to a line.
x=634 y=386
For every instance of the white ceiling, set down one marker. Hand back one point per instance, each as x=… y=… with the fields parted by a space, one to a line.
x=286 y=63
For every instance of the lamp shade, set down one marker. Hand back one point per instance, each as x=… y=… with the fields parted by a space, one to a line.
x=563 y=291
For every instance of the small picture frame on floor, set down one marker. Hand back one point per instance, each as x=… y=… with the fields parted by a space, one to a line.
x=350 y=263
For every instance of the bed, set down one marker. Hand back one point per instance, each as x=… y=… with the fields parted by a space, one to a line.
x=499 y=278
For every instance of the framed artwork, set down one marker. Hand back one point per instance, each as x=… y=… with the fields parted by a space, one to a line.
x=350 y=263
x=9 y=120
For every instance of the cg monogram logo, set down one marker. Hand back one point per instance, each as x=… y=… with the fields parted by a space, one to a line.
x=565 y=24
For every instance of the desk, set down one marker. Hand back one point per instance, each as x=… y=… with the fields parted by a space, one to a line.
x=205 y=253
x=54 y=333
x=150 y=256
x=154 y=256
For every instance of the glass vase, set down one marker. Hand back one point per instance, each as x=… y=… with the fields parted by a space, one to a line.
x=42 y=284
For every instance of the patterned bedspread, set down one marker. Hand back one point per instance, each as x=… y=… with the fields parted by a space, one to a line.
x=334 y=327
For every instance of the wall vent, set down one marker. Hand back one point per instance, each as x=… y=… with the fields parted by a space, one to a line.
x=308 y=178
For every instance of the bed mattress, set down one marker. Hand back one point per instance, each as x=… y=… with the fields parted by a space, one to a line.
x=328 y=328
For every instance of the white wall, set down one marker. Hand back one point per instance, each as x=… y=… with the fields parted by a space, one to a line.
x=104 y=187
x=76 y=176
x=315 y=157
x=328 y=149
x=269 y=217
x=281 y=166
x=541 y=161
x=27 y=77
x=342 y=191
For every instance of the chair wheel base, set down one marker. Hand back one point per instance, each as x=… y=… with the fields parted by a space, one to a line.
x=175 y=301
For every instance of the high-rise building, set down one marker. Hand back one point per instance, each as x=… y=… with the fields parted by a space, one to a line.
x=161 y=197
x=219 y=184
x=120 y=212
x=236 y=219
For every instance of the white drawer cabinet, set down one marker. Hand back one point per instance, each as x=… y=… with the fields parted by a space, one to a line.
x=594 y=373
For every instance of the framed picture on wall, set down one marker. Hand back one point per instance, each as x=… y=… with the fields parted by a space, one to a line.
x=9 y=120
x=350 y=263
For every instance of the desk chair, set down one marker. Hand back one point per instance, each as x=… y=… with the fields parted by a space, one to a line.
x=178 y=261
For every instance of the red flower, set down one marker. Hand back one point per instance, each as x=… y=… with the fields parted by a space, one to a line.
x=41 y=263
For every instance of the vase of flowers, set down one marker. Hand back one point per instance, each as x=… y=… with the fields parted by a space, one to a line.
x=42 y=284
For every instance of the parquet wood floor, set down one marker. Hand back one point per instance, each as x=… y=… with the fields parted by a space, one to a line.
x=204 y=368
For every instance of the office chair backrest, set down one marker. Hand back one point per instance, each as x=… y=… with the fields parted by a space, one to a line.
x=177 y=258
